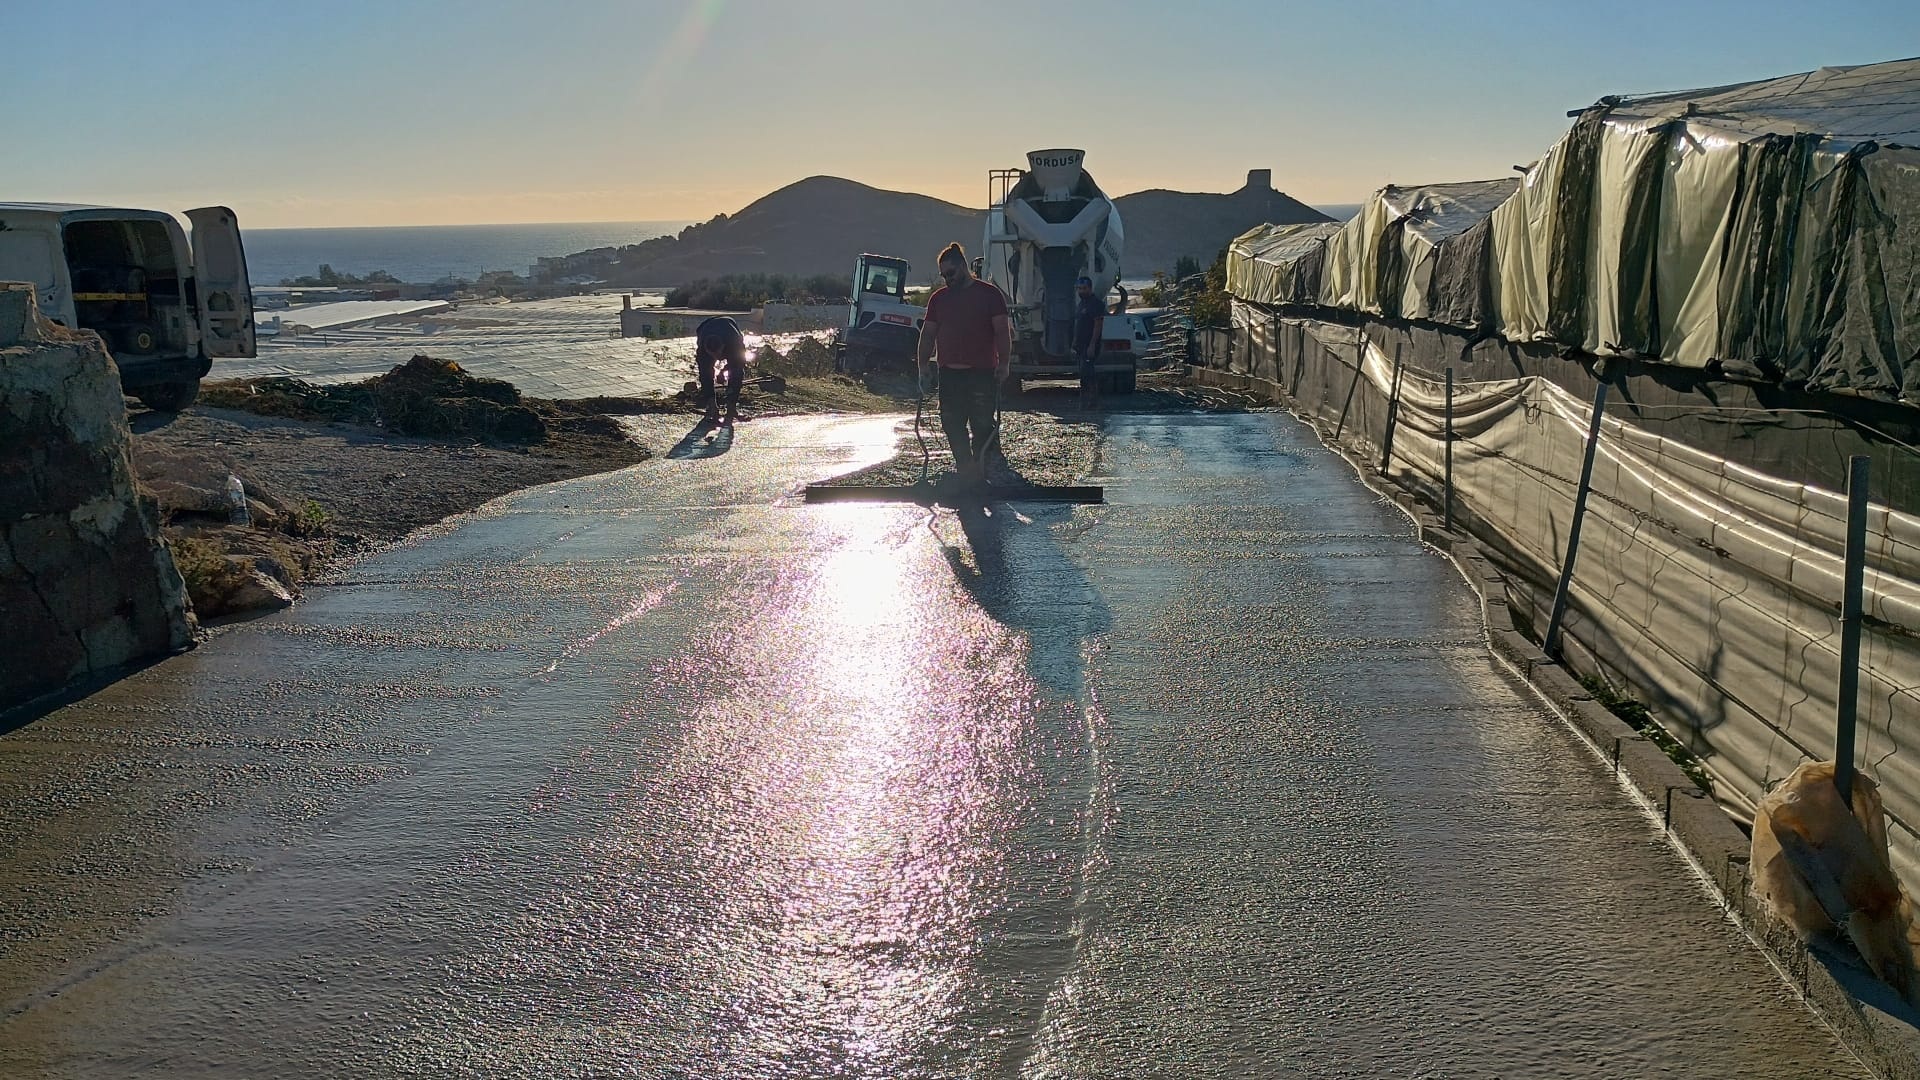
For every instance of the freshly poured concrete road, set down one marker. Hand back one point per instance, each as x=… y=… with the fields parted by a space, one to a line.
x=663 y=774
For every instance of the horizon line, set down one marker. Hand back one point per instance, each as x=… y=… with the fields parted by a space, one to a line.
x=530 y=224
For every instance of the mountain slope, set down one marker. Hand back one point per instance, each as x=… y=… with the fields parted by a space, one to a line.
x=1164 y=225
x=818 y=225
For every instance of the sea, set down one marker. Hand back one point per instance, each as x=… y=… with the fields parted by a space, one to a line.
x=1339 y=211
x=428 y=253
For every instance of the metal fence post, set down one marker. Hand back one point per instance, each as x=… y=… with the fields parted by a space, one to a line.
x=1859 y=473
x=1446 y=497
x=1359 y=365
x=1551 y=643
x=1273 y=345
x=1393 y=413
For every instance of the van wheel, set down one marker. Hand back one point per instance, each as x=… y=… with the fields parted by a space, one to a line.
x=168 y=397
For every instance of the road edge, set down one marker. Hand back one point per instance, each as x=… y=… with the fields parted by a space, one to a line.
x=1829 y=977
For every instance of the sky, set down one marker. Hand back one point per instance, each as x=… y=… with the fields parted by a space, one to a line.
x=402 y=112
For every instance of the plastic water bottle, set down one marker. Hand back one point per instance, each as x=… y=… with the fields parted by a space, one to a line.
x=237 y=502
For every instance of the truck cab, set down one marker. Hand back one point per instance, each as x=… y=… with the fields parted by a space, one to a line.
x=883 y=329
x=165 y=306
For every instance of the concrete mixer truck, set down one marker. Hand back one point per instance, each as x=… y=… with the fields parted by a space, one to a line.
x=1047 y=225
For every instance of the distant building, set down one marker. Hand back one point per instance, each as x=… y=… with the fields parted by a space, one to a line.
x=665 y=322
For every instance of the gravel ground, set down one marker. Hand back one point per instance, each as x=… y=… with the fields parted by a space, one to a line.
x=374 y=486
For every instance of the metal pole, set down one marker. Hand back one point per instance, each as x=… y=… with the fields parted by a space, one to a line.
x=1360 y=364
x=1551 y=643
x=1446 y=510
x=1393 y=413
x=1859 y=473
x=1273 y=346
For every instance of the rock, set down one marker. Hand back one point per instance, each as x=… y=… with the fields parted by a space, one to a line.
x=85 y=584
x=196 y=484
x=231 y=584
x=275 y=569
x=258 y=592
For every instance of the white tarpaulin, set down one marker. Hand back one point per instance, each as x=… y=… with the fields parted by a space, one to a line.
x=1279 y=264
x=1770 y=230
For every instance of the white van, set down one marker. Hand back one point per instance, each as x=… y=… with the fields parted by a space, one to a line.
x=166 y=309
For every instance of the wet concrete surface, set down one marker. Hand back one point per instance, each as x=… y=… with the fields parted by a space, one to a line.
x=660 y=773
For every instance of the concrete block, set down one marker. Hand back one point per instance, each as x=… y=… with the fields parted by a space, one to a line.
x=1512 y=645
x=1496 y=612
x=1705 y=830
x=1558 y=684
x=1651 y=771
x=1600 y=725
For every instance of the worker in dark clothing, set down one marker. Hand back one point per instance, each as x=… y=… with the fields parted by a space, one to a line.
x=967 y=329
x=1089 y=314
x=721 y=345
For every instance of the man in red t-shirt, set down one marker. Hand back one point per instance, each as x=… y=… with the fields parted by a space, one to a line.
x=967 y=328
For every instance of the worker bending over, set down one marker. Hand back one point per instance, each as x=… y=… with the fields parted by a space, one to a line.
x=721 y=346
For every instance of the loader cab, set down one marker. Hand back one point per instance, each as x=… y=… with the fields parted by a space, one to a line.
x=165 y=307
x=883 y=329
x=878 y=274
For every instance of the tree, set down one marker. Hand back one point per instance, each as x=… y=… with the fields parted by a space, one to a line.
x=329 y=278
x=1185 y=267
x=1155 y=295
x=1211 y=305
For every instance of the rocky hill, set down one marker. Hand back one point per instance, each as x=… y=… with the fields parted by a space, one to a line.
x=1164 y=225
x=814 y=226
x=818 y=225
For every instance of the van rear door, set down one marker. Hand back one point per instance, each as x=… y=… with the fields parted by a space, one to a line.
x=220 y=276
x=27 y=255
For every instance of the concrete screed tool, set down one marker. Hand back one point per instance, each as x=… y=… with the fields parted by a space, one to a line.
x=926 y=492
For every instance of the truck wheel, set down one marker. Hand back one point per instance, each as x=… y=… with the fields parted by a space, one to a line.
x=1128 y=381
x=168 y=397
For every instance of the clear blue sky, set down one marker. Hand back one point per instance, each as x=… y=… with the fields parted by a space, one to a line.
x=406 y=111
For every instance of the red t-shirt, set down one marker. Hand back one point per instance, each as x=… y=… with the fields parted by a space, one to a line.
x=963 y=320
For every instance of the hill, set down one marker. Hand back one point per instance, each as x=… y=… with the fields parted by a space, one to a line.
x=1164 y=225
x=818 y=225
x=814 y=226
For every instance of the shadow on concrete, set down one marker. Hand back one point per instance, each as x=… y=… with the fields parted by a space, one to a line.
x=1843 y=962
x=1016 y=571
x=707 y=440
x=18 y=715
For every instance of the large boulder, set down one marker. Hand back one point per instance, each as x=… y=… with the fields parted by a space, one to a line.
x=85 y=584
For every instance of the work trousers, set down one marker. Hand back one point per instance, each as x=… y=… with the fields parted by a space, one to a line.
x=966 y=410
x=731 y=376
